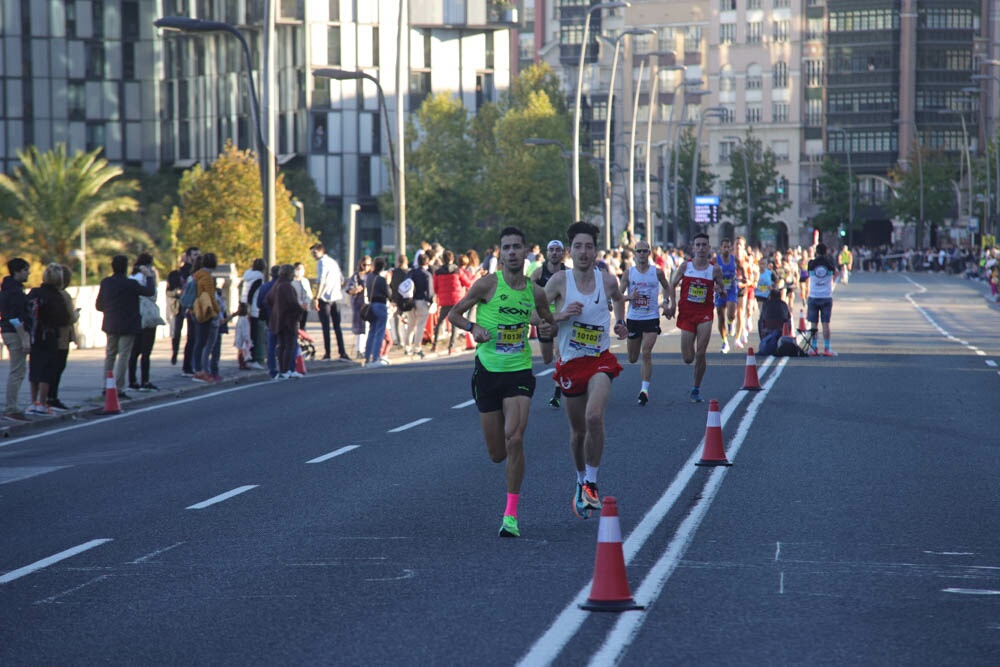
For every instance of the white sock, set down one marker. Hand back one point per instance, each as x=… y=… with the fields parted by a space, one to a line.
x=645 y=386
x=579 y=477
x=591 y=474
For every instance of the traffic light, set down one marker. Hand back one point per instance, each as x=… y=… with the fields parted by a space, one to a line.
x=843 y=232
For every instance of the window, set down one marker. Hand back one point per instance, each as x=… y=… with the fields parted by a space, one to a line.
x=70 y=12
x=375 y=46
x=814 y=113
x=692 y=40
x=726 y=80
x=95 y=60
x=128 y=60
x=335 y=10
x=814 y=28
x=76 y=100
x=781 y=4
x=814 y=72
x=727 y=33
x=420 y=88
x=781 y=29
x=780 y=150
x=753 y=113
x=725 y=150
x=95 y=136
x=667 y=42
x=779 y=112
x=728 y=115
x=332 y=45
x=753 y=4
x=754 y=78
x=754 y=32
x=727 y=5
x=779 y=75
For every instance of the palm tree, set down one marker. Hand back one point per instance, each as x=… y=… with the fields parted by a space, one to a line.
x=53 y=199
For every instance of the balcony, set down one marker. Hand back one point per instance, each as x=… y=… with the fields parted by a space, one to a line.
x=496 y=14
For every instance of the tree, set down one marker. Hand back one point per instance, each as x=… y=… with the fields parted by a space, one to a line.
x=754 y=165
x=684 y=152
x=324 y=220
x=938 y=193
x=442 y=169
x=157 y=198
x=52 y=196
x=833 y=197
x=220 y=211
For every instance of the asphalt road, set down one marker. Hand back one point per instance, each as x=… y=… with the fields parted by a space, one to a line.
x=321 y=521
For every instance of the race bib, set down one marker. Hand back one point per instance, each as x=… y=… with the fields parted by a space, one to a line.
x=640 y=301
x=586 y=338
x=697 y=293
x=510 y=338
x=727 y=282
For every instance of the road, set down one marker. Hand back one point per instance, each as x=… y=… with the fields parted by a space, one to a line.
x=351 y=518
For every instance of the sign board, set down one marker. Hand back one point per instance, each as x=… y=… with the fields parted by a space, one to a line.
x=706 y=209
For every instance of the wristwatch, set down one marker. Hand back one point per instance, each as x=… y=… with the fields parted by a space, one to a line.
x=621 y=322
x=469 y=326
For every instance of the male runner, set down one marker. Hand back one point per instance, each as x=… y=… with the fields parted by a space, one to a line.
x=725 y=304
x=552 y=265
x=586 y=366
x=744 y=262
x=819 y=307
x=694 y=308
x=502 y=382
x=642 y=282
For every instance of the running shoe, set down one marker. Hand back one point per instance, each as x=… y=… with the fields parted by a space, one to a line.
x=732 y=329
x=696 y=396
x=725 y=347
x=591 y=496
x=643 y=397
x=813 y=352
x=739 y=342
x=554 y=401
x=580 y=506
x=829 y=353
x=509 y=527
x=58 y=405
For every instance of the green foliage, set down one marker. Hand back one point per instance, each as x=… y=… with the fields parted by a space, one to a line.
x=221 y=211
x=536 y=78
x=833 y=197
x=753 y=165
x=938 y=170
x=51 y=196
x=322 y=219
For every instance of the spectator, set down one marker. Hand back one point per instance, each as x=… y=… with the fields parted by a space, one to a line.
x=176 y=315
x=118 y=298
x=304 y=290
x=284 y=308
x=423 y=297
x=67 y=335
x=143 y=347
x=265 y=316
x=449 y=290
x=378 y=297
x=15 y=327
x=357 y=289
x=252 y=280
x=329 y=293
x=398 y=275
x=206 y=314
x=51 y=315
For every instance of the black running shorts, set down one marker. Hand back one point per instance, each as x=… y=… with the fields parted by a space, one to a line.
x=638 y=327
x=489 y=388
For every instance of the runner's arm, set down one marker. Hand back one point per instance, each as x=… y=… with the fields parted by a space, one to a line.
x=617 y=304
x=542 y=309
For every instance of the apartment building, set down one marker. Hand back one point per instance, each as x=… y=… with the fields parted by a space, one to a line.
x=97 y=73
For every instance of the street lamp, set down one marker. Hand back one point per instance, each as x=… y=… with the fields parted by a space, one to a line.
x=399 y=195
x=996 y=149
x=631 y=156
x=579 y=94
x=965 y=146
x=607 y=129
x=264 y=155
x=746 y=183
x=850 y=183
x=655 y=74
x=714 y=112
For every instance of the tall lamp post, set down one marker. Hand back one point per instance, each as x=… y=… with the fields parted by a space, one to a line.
x=607 y=128
x=850 y=183
x=579 y=95
x=991 y=224
x=746 y=183
x=264 y=155
x=965 y=146
x=631 y=156
x=655 y=74
x=709 y=112
x=399 y=197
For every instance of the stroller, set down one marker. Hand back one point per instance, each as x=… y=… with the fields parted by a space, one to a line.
x=307 y=345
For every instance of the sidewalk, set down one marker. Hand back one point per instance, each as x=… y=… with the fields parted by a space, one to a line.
x=83 y=380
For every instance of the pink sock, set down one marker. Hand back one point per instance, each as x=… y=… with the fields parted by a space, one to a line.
x=511 y=510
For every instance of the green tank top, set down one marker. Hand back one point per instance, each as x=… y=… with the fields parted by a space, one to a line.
x=507 y=316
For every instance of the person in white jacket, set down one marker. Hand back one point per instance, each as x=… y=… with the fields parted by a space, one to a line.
x=329 y=292
x=252 y=280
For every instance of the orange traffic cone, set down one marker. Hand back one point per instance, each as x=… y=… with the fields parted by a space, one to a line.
x=750 y=381
x=610 y=591
x=714 y=454
x=111 y=406
x=786 y=329
x=300 y=363
x=470 y=342
x=802 y=320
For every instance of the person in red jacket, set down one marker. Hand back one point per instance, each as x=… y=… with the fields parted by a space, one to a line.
x=449 y=290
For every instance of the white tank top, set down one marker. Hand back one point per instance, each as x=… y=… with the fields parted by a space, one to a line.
x=644 y=294
x=586 y=334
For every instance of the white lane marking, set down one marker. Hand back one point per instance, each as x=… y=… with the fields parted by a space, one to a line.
x=978 y=351
x=338 y=452
x=45 y=562
x=404 y=427
x=547 y=647
x=407 y=574
x=951 y=553
x=463 y=405
x=16 y=474
x=222 y=496
x=628 y=625
x=940 y=329
x=970 y=591
x=777 y=552
x=53 y=598
x=991 y=363
x=547 y=371
x=153 y=554
x=781 y=584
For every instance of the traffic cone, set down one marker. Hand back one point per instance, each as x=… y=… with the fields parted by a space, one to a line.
x=786 y=329
x=750 y=381
x=111 y=406
x=714 y=454
x=470 y=342
x=610 y=591
x=300 y=363
x=802 y=320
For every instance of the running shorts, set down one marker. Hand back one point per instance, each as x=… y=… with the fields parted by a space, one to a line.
x=489 y=388
x=638 y=327
x=574 y=375
x=821 y=308
x=689 y=321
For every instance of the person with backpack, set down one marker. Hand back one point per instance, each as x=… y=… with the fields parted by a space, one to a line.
x=189 y=292
x=423 y=297
x=118 y=298
x=176 y=280
x=206 y=315
x=252 y=280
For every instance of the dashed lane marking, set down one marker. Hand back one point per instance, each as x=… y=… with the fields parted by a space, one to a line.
x=338 y=452
x=45 y=562
x=463 y=405
x=404 y=427
x=222 y=496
